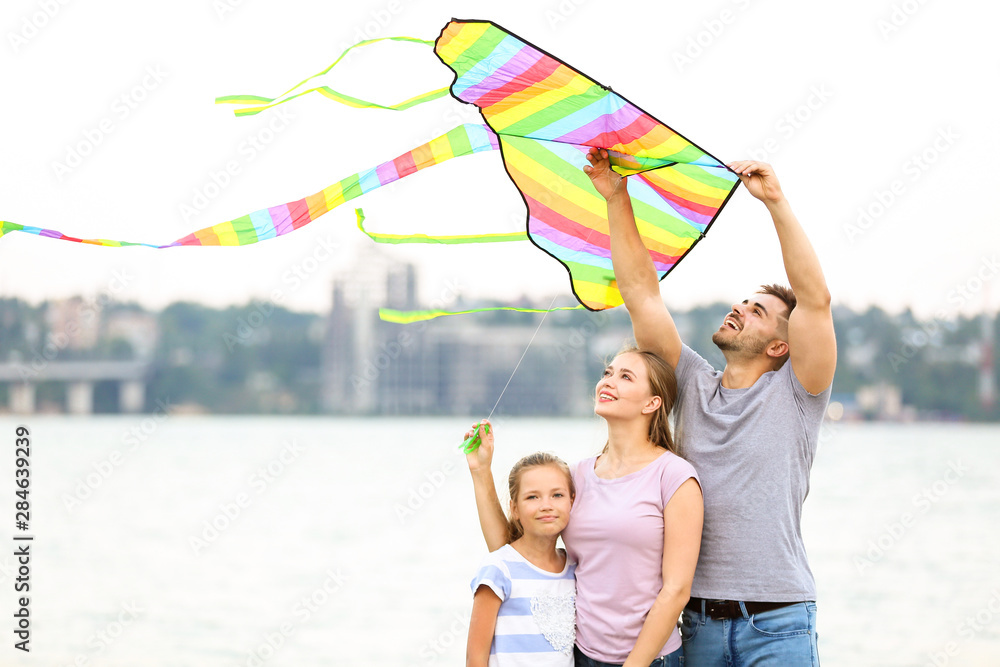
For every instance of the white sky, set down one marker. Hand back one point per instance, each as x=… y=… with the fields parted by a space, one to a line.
x=879 y=98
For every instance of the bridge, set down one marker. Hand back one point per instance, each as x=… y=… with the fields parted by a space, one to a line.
x=80 y=377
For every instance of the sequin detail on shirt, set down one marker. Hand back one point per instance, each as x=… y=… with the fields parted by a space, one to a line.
x=556 y=618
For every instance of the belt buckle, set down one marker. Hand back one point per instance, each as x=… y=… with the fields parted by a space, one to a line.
x=722 y=609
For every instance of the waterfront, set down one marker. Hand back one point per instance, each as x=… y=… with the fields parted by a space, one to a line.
x=331 y=541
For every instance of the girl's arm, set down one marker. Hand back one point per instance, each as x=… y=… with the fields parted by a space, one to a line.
x=682 y=521
x=491 y=516
x=485 y=607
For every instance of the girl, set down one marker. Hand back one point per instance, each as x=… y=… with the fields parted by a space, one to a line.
x=523 y=610
x=637 y=520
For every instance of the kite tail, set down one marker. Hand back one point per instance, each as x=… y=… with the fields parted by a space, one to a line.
x=6 y=227
x=278 y=220
x=256 y=103
x=447 y=240
x=411 y=316
x=285 y=218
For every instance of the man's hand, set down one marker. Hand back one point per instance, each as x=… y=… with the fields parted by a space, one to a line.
x=759 y=179
x=606 y=180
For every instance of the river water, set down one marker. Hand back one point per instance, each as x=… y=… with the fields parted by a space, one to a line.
x=165 y=541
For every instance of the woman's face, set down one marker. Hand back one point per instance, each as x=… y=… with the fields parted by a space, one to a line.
x=623 y=390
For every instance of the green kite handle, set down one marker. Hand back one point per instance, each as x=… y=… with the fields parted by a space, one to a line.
x=472 y=444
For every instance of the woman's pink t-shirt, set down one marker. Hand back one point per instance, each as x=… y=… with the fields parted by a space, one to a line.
x=615 y=534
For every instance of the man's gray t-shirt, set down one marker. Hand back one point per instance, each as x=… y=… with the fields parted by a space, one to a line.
x=753 y=449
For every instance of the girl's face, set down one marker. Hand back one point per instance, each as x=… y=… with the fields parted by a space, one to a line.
x=543 y=502
x=623 y=391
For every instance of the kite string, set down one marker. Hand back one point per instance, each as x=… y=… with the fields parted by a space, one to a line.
x=530 y=341
x=587 y=240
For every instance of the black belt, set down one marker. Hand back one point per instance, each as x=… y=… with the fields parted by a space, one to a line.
x=722 y=609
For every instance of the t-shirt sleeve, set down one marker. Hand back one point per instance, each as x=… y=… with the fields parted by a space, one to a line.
x=675 y=473
x=811 y=409
x=812 y=406
x=493 y=573
x=689 y=366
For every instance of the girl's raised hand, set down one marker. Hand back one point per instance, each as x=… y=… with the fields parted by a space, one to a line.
x=482 y=457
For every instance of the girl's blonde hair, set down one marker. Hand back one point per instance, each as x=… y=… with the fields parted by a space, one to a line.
x=538 y=459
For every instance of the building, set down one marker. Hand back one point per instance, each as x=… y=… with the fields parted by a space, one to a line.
x=448 y=366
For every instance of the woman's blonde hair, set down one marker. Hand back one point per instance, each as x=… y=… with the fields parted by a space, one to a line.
x=514 y=528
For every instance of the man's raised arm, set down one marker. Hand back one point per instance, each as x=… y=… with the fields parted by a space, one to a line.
x=635 y=274
x=812 y=345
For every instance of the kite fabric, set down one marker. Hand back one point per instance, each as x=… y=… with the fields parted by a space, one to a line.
x=547 y=116
x=543 y=116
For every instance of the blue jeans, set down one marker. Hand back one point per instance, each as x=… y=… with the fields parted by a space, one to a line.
x=783 y=637
x=675 y=659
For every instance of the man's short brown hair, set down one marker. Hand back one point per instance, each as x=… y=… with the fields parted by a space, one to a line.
x=786 y=295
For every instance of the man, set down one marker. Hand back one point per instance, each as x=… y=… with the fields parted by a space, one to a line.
x=751 y=432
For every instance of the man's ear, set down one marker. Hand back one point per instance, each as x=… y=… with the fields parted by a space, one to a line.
x=777 y=348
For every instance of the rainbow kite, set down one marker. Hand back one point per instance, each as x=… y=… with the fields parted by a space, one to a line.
x=543 y=116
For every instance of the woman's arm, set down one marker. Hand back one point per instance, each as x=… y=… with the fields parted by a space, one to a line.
x=485 y=607
x=491 y=516
x=682 y=521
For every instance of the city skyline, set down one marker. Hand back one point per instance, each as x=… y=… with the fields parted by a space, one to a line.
x=82 y=358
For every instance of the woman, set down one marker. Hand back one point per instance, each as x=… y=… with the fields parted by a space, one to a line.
x=635 y=525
